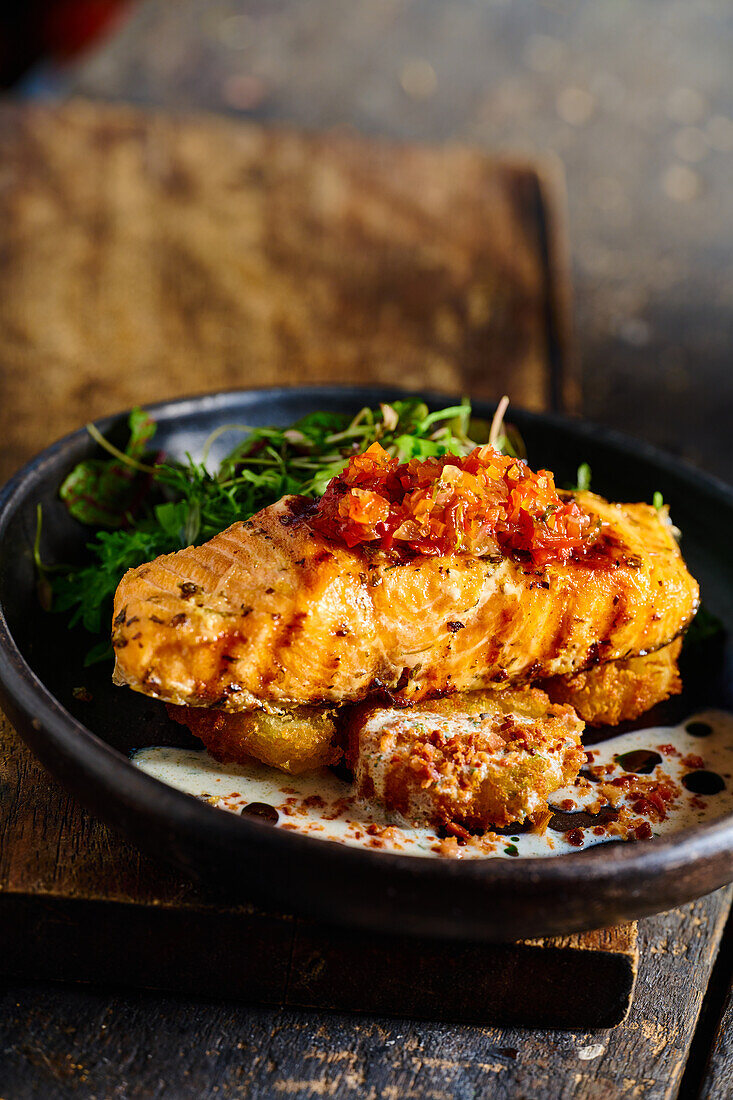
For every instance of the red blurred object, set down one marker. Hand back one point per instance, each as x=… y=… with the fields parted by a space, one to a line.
x=69 y=26
x=55 y=30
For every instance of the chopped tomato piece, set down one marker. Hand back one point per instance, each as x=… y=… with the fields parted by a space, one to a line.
x=483 y=504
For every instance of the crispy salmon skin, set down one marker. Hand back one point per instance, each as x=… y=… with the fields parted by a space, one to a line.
x=270 y=613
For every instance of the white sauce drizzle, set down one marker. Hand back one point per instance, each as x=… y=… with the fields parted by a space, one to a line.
x=320 y=804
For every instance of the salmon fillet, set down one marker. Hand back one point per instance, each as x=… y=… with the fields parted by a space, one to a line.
x=270 y=614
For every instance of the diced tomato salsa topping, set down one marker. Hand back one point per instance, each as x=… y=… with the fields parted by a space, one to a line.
x=483 y=504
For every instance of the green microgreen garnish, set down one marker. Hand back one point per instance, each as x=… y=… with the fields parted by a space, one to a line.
x=583 y=478
x=100 y=492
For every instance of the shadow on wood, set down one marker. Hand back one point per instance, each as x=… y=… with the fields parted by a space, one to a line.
x=264 y=958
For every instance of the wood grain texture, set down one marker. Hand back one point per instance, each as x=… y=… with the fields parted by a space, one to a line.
x=147 y=256
x=717 y=1081
x=62 y=1042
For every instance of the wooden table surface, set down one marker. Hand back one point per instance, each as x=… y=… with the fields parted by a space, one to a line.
x=646 y=139
x=636 y=100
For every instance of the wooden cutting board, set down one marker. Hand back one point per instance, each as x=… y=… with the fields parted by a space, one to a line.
x=148 y=256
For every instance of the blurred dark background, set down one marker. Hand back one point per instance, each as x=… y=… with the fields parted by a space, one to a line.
x=634 y=98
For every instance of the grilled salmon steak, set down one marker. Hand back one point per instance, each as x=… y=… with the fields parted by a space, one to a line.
x=272 y=613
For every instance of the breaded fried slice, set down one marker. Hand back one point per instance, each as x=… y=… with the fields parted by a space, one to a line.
x=619 y=691
x=299 y=741
x=475 y=760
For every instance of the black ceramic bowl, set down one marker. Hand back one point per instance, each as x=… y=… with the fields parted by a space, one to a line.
x=86 y=745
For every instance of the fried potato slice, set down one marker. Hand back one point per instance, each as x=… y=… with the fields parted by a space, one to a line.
x=299 y=741
x=467 y=762
x=619 y=691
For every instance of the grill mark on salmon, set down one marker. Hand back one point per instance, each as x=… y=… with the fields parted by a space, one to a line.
x=300 y=620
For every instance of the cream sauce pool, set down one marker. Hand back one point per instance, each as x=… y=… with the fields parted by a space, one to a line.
x=635 y=786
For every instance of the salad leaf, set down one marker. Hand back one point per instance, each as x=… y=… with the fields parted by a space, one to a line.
x=102 y=492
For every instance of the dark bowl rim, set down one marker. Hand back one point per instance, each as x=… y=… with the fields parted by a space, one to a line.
x=76 y=742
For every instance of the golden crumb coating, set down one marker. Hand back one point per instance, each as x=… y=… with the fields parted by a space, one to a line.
x=298 y=741
x=467 y=762
x=620 y=691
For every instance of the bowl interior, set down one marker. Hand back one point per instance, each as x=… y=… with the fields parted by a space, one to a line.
x=126 y=721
